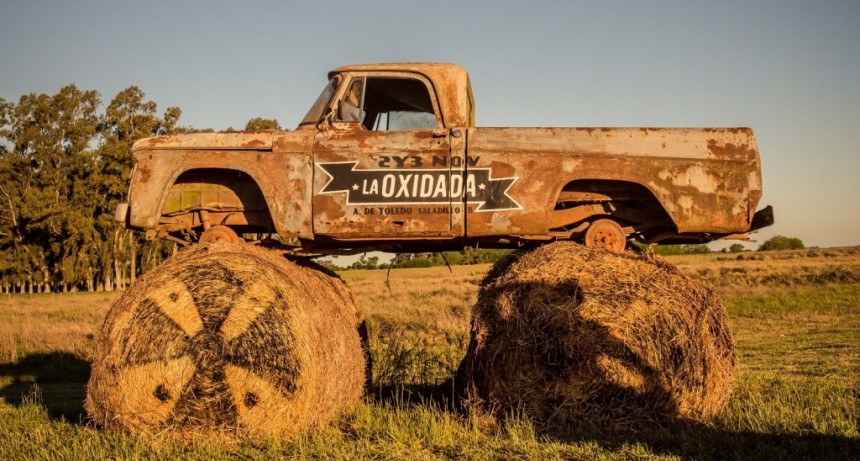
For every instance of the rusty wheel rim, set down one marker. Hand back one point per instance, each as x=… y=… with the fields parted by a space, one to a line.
x=606 y=234
x=220 y=234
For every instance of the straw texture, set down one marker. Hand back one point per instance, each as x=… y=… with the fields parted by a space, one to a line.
x=228 y=337
x=567 y=334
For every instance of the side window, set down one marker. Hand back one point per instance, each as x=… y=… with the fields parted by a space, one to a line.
x=389 y=104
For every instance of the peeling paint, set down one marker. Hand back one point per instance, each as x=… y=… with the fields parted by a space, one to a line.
x=686 y=203
x=696 y=176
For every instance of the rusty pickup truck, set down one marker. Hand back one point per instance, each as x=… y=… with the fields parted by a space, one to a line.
x=389 y=158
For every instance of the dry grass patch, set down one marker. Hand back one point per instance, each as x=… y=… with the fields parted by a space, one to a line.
x=753 y=271
x=51 y=322
x=417 y=319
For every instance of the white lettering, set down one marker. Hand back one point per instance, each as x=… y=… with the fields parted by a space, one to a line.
x=470 y=187
x=456 y=185
x=374 y=187
x=404 y=185
x=388 y=184
x=440 y=187
x=426 y=185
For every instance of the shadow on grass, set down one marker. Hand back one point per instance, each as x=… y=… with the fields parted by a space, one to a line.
x=690 y=440
x=683 y=439
x=696 y=441
x=442 y=396
x=58 y=380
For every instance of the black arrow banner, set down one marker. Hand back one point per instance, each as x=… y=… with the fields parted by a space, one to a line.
x=419 y=186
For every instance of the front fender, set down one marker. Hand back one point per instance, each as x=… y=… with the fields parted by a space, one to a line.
x=283 y=178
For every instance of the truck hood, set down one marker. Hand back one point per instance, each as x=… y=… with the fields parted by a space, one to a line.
x=243 y=140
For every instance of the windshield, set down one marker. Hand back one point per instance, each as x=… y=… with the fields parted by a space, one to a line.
x=320 y=104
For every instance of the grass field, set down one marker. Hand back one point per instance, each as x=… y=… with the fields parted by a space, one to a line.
x=795 y=317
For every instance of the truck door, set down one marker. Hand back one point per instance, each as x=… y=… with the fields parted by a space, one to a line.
x=382 y=161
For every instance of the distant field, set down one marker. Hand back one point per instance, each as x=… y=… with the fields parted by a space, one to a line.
x=795 y=316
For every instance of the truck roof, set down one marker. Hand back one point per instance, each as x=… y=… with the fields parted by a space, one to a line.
x=451 y=83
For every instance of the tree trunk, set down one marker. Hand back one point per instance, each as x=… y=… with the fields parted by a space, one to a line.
x=132 y=243
x=115 y=255
x=117 y=273
x=46 y=287
x=107 y=283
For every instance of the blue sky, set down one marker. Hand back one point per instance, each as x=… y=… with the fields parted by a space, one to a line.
x=790 y=70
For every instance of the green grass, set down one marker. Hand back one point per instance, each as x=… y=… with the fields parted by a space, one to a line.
x=827 y=299
x=796 y=394
x=809 y=332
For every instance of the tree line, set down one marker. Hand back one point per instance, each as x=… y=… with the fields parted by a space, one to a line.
x=64 y=165
x=471 y=255
x=468 y=256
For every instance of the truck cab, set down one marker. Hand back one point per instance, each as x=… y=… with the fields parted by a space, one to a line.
x=386 y=148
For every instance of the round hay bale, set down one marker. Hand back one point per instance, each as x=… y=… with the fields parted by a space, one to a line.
x=568 y=335
x=228 y=337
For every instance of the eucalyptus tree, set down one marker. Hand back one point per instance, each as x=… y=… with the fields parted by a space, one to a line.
x=259 y=123
x=48 y=148
x=127 y=118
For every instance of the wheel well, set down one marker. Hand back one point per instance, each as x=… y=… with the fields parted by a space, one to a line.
x=629 y=203
x=224 y=196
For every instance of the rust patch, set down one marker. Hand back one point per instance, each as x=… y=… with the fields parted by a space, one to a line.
x=730 y=151
x=501 y=169
x=254 y=144
x=143 y=173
